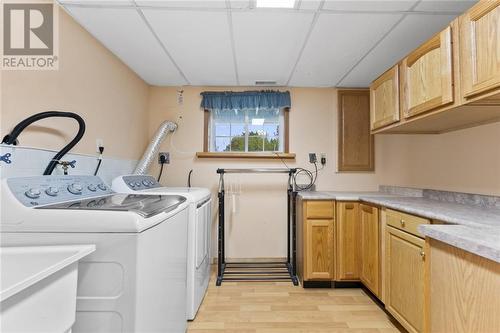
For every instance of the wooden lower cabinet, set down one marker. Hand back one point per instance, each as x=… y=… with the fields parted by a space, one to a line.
x=463 y=293
x=315 y=240
x=347 y=242
x=319 y=250
x=370 y=248
x=404 y=278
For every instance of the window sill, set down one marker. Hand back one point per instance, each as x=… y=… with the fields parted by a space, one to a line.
x=285 y=156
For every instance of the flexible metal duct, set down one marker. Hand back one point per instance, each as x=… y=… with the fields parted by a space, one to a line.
x=152 y=150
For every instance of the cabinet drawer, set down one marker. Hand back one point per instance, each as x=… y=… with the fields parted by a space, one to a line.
x=320 y=209
x=405 y=222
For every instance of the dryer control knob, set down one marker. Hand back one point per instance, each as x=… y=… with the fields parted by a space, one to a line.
x=102 y=186
x=92 y=187
x=75 y=188
x=33 y=193
x=145 y=182
x=52 y=191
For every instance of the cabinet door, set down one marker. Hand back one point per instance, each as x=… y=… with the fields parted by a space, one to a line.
x=479 y=51
x=405 y=278
x=319 y=250
x=356 y=149
x=370 y=248
x=384 y=99
x=347 y=241
x=427 y=76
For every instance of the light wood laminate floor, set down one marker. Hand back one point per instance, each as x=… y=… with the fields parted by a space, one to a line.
x=279 y=307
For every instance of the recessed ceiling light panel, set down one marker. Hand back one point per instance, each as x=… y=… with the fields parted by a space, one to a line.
x=275 y=3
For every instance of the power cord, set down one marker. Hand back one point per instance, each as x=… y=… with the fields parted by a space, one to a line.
x=312 y=175
x=163 y=161
x=101 y=150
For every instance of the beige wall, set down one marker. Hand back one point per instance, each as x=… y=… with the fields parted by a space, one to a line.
x=467 y=160
x=90 y=81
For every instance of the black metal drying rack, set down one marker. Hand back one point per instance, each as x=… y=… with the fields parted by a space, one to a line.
x=259 y=271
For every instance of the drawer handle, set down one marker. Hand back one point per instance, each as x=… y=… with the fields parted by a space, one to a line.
x=422 y=254
x=402 y=222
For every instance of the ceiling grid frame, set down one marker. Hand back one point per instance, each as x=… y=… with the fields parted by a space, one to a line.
x=229 y=10
x=164 y=48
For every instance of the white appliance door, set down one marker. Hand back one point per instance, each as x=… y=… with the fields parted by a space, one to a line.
x=202 y=229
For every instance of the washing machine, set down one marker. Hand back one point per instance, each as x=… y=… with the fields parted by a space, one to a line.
x=199 y=231
x=135 y=281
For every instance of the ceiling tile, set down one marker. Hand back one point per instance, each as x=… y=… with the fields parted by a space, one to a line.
x=309 y=4
x=239 y=4
x=336 y=43
x=408 y=35
x=457 y=6
x=202 y=51
x=123 y=31
x=369 y=5
x=268 y=43
x=204 y=4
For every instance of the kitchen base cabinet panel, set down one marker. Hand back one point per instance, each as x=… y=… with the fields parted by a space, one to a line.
x=404 y=276
x=319 y=250
x=347 y=242
x=464 y=291
x=370 y=248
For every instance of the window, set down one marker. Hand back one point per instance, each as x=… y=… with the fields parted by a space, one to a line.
x=248 y=130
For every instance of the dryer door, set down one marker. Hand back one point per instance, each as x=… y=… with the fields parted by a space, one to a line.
x=203 y=219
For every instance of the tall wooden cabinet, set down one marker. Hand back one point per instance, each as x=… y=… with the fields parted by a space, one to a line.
x=370 y=248
x=479 y=50
x=347 y=241
x=427 y=76
x=384 y=99
x=356 y=143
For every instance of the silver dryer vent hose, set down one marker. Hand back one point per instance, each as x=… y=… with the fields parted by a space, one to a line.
x=152 y=150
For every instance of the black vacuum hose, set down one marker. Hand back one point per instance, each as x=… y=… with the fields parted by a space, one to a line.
x=11 y=138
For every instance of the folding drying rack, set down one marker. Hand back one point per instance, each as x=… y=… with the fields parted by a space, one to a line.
x=259 y=271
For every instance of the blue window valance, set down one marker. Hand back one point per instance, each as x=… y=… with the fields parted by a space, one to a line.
x=212 y=100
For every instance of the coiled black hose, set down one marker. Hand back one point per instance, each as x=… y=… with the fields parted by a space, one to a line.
x=11 y=138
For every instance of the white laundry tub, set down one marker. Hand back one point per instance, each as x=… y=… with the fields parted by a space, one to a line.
x=38 y=287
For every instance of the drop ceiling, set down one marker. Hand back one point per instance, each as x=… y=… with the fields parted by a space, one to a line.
x=327 y=43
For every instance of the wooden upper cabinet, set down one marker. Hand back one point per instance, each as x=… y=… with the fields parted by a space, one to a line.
x=347 y=241
x=427 y=76
x=384 y=99
x=370 y=248
x=479 y=49
x=356 y=149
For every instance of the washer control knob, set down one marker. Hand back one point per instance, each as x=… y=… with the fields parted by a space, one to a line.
x=33 y=193
x=92 y=187
x=102 y=186
x=137 y=184
x=132 y=184
x=52 y=191
x=75 y=188
x=146 y=183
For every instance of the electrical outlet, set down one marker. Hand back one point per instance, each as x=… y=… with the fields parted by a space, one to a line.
x=312 y=158
x=165 y=156
x=98 y=143
x=323 y=158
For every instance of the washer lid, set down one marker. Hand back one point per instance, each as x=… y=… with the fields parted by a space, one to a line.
x=193 y=194
x=142 y=204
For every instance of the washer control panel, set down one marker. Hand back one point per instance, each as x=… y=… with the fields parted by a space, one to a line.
x=43 y=190
x=140 y=182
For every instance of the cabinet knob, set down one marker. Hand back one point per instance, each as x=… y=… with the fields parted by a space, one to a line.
x=402 y=222
x=422 y=254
